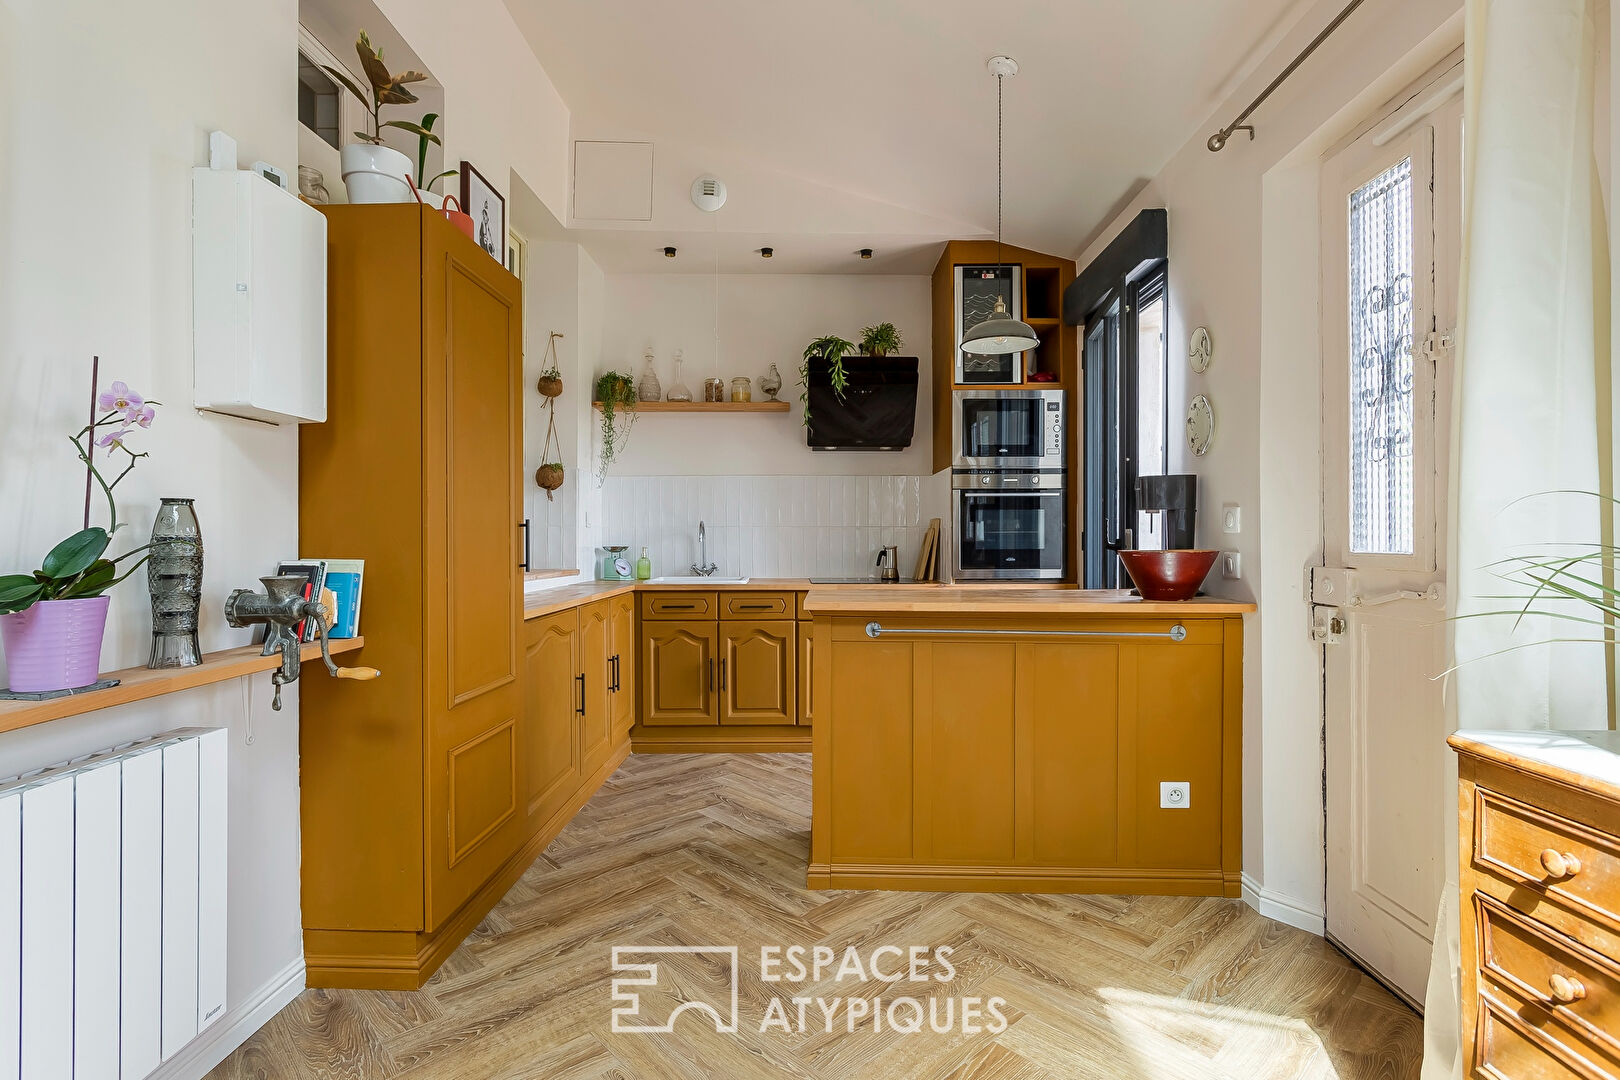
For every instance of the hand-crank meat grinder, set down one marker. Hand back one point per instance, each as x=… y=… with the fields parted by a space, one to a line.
x=280 y=608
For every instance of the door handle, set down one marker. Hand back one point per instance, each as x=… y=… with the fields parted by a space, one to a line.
x=524 y=525
x=711 y=674
x=722 y=675
x=615 y=673
x=581 y=678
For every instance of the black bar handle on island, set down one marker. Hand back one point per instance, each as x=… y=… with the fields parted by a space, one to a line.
x=524 y=525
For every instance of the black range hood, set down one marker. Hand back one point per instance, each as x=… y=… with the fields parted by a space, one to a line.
x=878 y=410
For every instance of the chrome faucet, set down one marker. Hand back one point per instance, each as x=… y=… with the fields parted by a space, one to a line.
x=703 y=567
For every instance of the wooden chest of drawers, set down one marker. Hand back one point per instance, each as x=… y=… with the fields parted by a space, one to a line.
x=1540 y=904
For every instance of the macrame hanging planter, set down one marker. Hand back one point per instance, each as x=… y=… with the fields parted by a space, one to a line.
x=550 y=474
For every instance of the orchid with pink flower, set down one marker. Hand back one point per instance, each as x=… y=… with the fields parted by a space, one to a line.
x=123 y=412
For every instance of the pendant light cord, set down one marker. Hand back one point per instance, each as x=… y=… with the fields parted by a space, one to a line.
x=999 y=80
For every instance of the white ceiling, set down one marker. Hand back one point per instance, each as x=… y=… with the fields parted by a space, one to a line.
x=835 y=120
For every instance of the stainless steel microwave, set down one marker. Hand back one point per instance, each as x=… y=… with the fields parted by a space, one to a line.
x=1007 y=429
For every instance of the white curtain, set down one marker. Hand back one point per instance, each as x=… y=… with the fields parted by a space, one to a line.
x=1532 y=361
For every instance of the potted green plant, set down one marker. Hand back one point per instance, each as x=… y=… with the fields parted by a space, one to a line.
x=52 y=620
x=447 y=204
x=372 y=172
x=616 y=397
x=881 y=340
x=829 y=348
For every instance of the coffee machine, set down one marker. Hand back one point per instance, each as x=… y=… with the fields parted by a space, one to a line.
x=1176 y=497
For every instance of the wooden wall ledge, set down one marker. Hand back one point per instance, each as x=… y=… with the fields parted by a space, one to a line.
x=140 y=683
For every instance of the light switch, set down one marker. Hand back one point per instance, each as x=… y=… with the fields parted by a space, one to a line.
x=1231 y=518
x=1231 y=565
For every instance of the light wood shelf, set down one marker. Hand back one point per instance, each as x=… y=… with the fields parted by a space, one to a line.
x=139 y=684
x=704 y=407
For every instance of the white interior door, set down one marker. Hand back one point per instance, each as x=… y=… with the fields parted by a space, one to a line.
x=1391 y=222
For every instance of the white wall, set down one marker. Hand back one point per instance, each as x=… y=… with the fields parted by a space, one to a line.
x=1237 y=266
x=763 y=319
x=95 y=228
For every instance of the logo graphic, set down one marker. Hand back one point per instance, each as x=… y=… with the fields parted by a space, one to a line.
x=626 y=1013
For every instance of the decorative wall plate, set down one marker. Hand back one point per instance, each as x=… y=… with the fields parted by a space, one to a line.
x=1200 y=350
x=1200 y=425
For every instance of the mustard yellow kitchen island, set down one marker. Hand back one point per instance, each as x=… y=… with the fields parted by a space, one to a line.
x=1026 y=740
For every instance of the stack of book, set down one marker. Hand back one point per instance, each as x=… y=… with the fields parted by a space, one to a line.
x=343 y=579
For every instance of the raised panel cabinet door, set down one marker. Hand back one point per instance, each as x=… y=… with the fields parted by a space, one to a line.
x=807 y=645
x=678 y=676
x=623 y=659
x=758 y=662
x=472 y=365
x=549 y=738
x=596 y=675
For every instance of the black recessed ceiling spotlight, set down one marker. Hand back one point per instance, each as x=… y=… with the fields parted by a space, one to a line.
x=669 y=253
x=766 y=252
x=866 y=253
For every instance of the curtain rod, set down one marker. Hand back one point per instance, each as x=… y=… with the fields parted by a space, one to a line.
x=1217 y=141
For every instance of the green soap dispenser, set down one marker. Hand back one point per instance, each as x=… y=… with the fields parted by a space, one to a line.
x=643 y=566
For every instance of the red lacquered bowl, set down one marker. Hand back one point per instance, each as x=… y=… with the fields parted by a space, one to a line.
x=1168 y=575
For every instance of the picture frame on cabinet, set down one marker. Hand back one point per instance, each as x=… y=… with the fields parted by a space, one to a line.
x=487 y=207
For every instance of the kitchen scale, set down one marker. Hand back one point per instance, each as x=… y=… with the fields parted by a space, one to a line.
x=614 y=566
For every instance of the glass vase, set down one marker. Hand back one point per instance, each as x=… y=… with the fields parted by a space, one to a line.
x=649 y=388
x=679 y=392
x=174 y=571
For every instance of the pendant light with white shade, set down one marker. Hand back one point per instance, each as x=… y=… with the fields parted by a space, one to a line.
x=1000 y=333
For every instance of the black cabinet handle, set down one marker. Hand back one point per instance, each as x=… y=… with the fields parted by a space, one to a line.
x=722 y=675
x=756 y=607
x=581 y=678
x=676 y=607
x=711 y=673
x=524 y=525
x=615 y=686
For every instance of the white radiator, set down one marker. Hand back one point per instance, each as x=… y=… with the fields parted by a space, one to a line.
x=112 y=909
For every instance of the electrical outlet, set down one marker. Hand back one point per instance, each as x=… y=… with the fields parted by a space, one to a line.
x=1231 y=518
x=1231 y=565
x=1175 y=795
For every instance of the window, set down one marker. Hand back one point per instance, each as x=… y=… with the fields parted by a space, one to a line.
x=1380 y=356
x=318 y=101
x=1126 y=368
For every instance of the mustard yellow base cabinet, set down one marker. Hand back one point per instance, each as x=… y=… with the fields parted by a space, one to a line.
x=1027 y=754
x=722 y=672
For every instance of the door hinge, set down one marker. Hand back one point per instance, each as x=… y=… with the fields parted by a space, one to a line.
x=1437 y=343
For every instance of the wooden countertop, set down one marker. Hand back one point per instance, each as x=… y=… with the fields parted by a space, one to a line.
x=996 y=600
x=562 y=597
x=1589 y=760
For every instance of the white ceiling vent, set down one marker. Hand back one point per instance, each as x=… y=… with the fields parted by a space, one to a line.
x=708 y=193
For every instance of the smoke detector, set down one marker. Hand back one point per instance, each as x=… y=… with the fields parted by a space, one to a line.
x=708 y=193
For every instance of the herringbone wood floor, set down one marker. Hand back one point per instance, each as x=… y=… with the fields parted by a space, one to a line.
x=711 y=850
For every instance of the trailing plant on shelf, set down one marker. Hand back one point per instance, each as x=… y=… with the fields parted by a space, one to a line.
x=830 y=348
x=881 y=340
x=386 y=89
x=616 y=394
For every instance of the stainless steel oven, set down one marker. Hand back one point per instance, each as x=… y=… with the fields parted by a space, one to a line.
x=1008 y=526
x=1007 y=429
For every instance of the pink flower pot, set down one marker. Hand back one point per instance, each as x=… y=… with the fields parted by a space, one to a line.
x=55 y=644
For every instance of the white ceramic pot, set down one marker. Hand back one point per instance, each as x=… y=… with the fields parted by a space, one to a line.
x=376 y=174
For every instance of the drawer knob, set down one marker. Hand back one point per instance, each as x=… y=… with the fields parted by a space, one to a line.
x=1560 y=865
x=1566 y=989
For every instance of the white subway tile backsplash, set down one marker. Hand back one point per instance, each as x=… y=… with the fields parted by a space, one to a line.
x=766 y=526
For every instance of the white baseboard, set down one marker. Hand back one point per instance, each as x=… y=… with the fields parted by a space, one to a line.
x=1285 y=909
x=224 y=1035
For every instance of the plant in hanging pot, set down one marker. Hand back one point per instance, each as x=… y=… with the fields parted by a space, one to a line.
x=616 y=396
x=52 y=620
x=830 y=349
x=881 y=340
x=375 y=173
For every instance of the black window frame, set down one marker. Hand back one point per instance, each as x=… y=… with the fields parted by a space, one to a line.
x=1110 y=374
